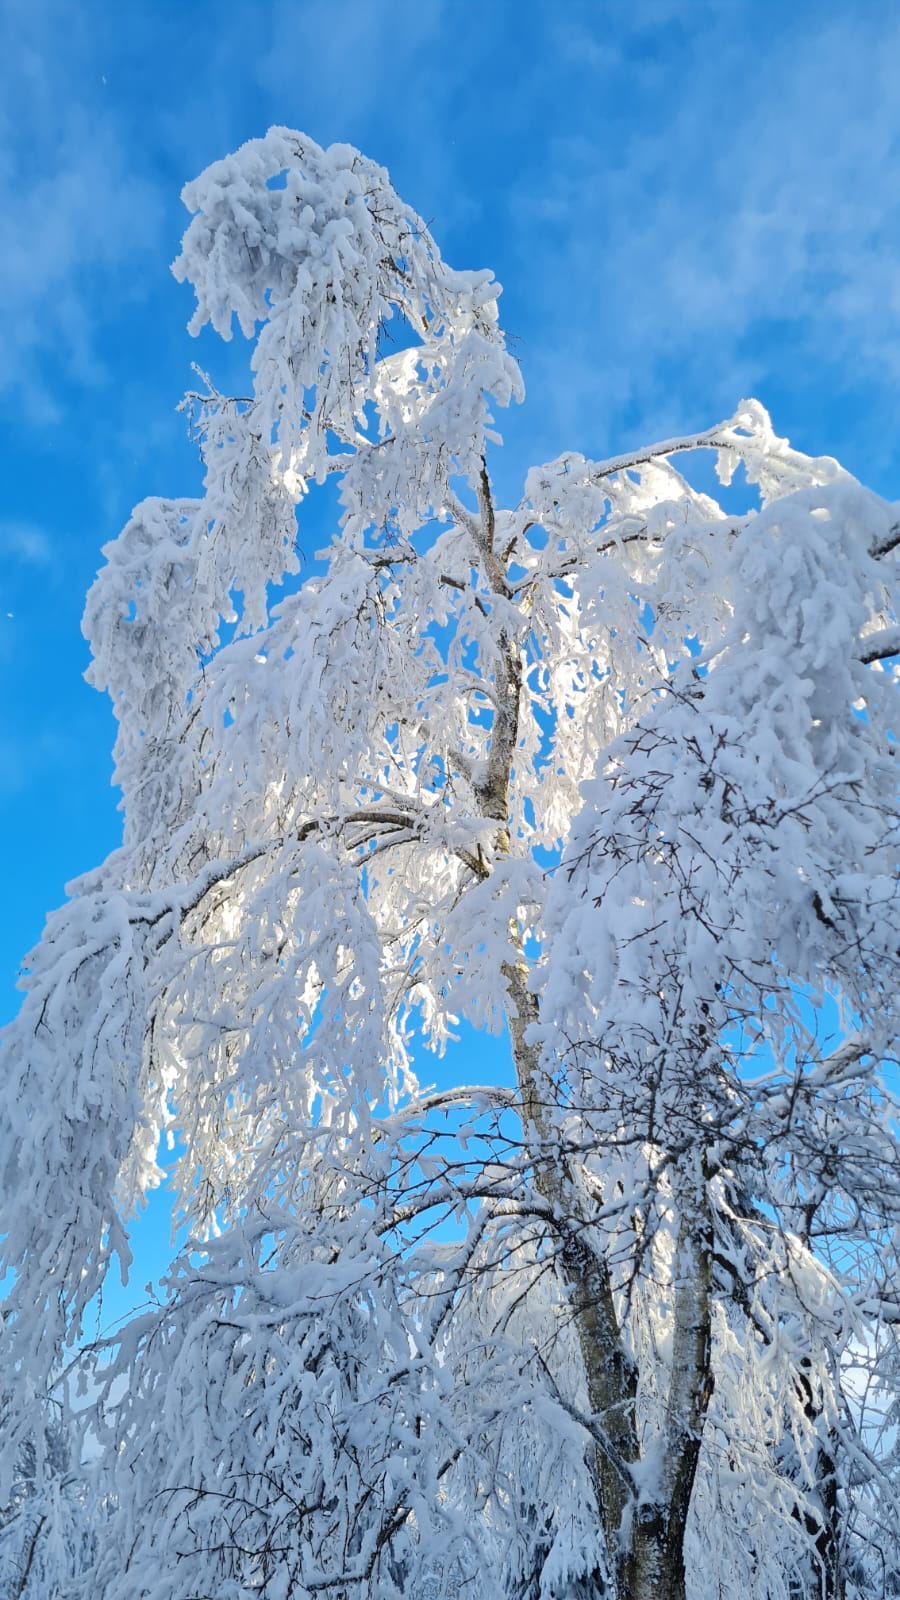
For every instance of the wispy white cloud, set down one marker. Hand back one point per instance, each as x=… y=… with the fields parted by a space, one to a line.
x=731 y=211
x=674 y=197
x=25 y=543
x=13 y=766
x=400 y=81
x=76 y=214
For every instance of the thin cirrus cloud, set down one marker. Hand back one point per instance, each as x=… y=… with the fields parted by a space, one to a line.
x=738 y=224
x=78 y=216
x=675 y=207
x=24 y=544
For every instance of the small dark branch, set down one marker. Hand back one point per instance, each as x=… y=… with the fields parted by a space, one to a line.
x=600 y=1436
x=878 y=646
x=463 y=516
x=464 y=588
x=29 y=1560
x=391 y=558
x=475 y=863
x=891 y=540
x=487 y=1096
x=821 y=914
x=712 y=439
x=572 y=563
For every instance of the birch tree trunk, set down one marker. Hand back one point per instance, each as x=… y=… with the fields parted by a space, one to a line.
x=644 y=1539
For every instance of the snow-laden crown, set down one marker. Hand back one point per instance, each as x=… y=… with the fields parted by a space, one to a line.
x=611 y=770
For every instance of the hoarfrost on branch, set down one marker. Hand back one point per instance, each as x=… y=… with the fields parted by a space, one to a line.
x=610 y=769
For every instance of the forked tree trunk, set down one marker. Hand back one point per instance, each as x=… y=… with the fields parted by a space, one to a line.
x=644 y=1541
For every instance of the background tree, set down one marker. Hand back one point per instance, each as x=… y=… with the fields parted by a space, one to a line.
x=50 y=1526
x=613 y=770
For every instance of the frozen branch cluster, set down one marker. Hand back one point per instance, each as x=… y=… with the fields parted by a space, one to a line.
x=612 y=769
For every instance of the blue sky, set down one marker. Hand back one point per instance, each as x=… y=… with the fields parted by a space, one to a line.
x=685 y=203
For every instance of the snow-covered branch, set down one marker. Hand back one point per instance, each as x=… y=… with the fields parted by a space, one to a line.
x=606 y=772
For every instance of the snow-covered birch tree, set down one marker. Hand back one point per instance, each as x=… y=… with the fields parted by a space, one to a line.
x=609 y=770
